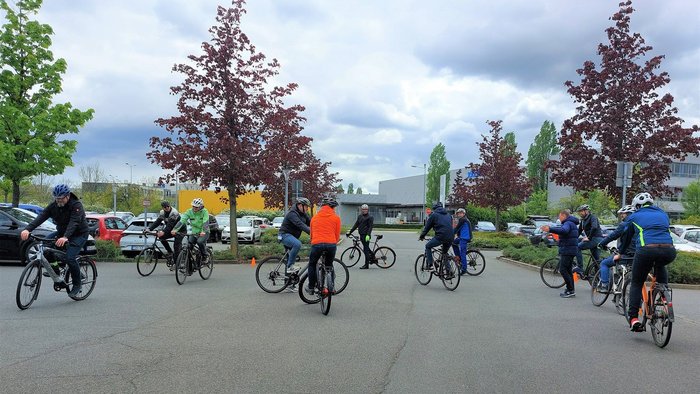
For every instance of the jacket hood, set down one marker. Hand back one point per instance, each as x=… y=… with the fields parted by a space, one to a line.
x=326 y=211
x=573 y=219
x=440 y=211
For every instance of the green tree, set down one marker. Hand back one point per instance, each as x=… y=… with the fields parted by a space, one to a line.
x=537 y=203
x=32 y=129
x=537 y=156
x=511 y=145
x=438 y=166
x=351 y=188
x=691 y=199
x=359 y=190
x=5 y=188
x=339 y=189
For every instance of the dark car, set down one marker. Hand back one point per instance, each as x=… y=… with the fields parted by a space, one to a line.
x=521 y=230
x=539 y=237
x=214 y=230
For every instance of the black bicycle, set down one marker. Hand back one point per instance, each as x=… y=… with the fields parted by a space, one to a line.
x=30 y=279
x=551 y=275
x=189 y=261
x=147 y=259
x=382 y=256
x=444 y=266
x=273 y=277
x=325 y=285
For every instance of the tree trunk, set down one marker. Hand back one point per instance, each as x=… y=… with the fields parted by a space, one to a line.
x=498 y=219
x=15 y=193
x=232 y=218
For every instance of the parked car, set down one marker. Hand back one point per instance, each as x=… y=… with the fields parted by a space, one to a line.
x=223 y=220
x=539 y=237
x=133 y=240
x=29 y=207
x=679 y=243
x=607 y=229
x=152 y=216
x=106 y=227
x=263 y=223
x=247 y=231
x=123 y=215
x=521 y=229
x=214 y=230
x=690 y=233
x=484 y=226
x=277 y=221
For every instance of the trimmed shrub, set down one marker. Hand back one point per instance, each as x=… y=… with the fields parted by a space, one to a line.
x=107 y=249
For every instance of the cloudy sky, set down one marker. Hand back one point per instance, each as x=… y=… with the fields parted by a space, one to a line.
x=383 y=81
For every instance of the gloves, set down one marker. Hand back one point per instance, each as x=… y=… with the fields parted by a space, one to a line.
x=366 y=238
x=421 y=238
x=602 y=246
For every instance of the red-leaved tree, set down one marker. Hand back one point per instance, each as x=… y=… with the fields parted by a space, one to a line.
x=500 y=181
x=233 y=129
x=620 y=111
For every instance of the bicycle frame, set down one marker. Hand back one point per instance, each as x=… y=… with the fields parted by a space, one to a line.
x=45 y=263
x=356 y=242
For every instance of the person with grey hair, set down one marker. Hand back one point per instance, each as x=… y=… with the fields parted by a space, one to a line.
x=568 y=247
x=364 y=225
x=463 y=234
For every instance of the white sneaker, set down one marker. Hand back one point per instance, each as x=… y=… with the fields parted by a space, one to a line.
x=293 y=269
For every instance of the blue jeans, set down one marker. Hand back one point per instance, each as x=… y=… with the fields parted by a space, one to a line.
x=605 y=268
x=434 y=242
x=644 y=260
x=460 y=246
x=293 y=244
x=316 y=252
x=73 y=248
x=591 y=244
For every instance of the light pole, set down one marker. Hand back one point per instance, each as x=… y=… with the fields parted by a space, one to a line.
x=114 y=196
x=131 y=172
x=424 y=181
x=285 y=171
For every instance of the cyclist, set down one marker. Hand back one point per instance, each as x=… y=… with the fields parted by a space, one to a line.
x=296 y=221
x=568 y=242
x=463 y=234
x=68 y=215
x=620 y=231
x=170 y=216
x=325 y=234
x=440 y=221
x=198 y=218
x=364 y=224
x=592 y=234
x=654 y=249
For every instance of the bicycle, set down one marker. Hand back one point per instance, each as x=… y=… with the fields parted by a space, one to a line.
x=476 y=263
x=147 y=259
x=382 y=256
x=325 y=285
x=551 y=275
x=656 y=309
x=272 y=276
x=445 y=268
x=30 y=279
x=189 y=261
x=619 y=273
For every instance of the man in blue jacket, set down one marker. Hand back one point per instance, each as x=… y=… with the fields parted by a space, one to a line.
x=654 y=249
x=624 y=238
x=441 y=222
x=568 y=248
x=463 y=234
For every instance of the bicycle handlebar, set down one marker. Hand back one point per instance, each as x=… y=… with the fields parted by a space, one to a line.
x=41 y=239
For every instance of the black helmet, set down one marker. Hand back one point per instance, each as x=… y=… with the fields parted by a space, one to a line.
x=330 y=201
x=164 y=204
x=437 y=205
x=304 y=201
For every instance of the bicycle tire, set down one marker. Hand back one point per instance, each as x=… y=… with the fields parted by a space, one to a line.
x=550 y=275
x=146 y=261
x=626 y=298
x=28 y=285
x=385 y=257
x=449 y=274
x=181 y=267
x=661 y=324
x=88 y=278
x=206 y=268
x=423 y=276
x=309 y=299
x=351 y=256
x=598 y=298
x=270 y=274
x=476 y=263
x=326 y=295
x=342 y=275
x=591 y=269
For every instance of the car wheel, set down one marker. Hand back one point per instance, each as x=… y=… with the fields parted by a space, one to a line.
x=30 y=252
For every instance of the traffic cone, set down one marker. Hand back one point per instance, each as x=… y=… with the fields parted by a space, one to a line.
x=252 y=262
x=576 y=277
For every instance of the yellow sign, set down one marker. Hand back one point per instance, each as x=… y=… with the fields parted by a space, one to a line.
x=213 y=201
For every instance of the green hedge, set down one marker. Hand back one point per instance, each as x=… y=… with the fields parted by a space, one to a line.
x=107 y=249
x=398 y=226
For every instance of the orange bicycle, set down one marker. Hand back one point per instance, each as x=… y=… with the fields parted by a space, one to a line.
x=657 y=309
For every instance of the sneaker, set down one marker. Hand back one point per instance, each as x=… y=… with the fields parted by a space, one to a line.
x=75 y=291
x=364 y=267
x=567 y=294
x=293 y=269
x=172 y=267
x=635 y=325
x=462 y=271
x=578 y=270
x=602 y=287
x=309 y=290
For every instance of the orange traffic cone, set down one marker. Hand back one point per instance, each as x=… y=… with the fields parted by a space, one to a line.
x=252 y=262
x=575 y=276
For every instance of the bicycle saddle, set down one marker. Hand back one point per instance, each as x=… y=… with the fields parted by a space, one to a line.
x=380 y=236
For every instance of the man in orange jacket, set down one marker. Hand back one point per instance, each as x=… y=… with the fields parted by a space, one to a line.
x=325 y=234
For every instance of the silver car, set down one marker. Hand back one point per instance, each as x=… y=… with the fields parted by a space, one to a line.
x=133 y=240
x=247 y=230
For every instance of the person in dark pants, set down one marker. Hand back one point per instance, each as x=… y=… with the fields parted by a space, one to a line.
x=568 y=247
x=463 y=234
x=364 y=224
x=592 y=234
x=170 y=216
x=650 y=228
x=325 y=234
x=68 y=215
x=441 y=222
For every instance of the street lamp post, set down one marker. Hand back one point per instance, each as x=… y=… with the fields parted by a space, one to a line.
x=424 y=181
x=131 y=177
x=285 y=171
x=114 y=196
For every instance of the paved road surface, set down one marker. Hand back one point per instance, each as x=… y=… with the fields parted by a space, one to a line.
x=501 y=332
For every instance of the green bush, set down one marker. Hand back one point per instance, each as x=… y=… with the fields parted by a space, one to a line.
x=396 y=226
x=107 y=249
x=685 y=268
x=498 y=240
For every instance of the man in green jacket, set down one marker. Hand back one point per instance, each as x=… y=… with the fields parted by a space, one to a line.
x=198 y=218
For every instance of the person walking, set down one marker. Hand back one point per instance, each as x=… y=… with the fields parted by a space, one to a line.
x=568 y=248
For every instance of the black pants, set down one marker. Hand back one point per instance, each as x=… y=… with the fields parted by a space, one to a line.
x=644 y=260
x=178 y=243
x=368 y=252
x=565 y=268
x=316 y=252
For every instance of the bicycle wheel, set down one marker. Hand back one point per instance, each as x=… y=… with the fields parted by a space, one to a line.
x=591 y=269
x=28 y=285
x=661 y=322
x=341 y=276
x=309 y=299
x=146 y=261
x=598 y=298
x=181 y=267
x=549 y=272
x=385 y=256
x=475 y=262
x=423 y=275
x=626 y=298
x=325 y=280
x=206 y=268
x=88 y=278
x=351 y=256
x=450 y=274
x=270 y=274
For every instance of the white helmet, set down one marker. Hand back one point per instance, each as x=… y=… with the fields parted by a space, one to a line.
x=364 y=206
x=198 y=203
x=626 y=209
x=642 y=199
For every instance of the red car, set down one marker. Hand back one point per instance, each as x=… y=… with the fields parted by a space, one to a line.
x=106 y=227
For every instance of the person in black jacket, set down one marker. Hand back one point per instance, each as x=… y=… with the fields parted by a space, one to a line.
x=441 y=222
x=170 y=216
x=364 y=224
x=592 y=235
x=71 y=227
x=568 y=247
x=296 y=221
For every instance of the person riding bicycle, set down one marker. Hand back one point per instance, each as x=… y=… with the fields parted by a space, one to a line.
x=568 y=247
x=592 y=234
x=364 y=224
x=198 y=218
x=440 y=221
x=649 y=226
x=295 y=221
x=463 y=234
x=624 y=238
x=325 y=234
x=170 y=216
x=68 y=215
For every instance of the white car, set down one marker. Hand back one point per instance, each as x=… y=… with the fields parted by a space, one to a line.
x=248 y=231
x=679 y=243
x=277 y=222
x=690 y=233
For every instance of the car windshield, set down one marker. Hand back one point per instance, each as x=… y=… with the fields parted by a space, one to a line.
x=677 y=239
x=243 y=223
x=26 y=216
x=223 y=220
x=278 y=220
x=136 y=225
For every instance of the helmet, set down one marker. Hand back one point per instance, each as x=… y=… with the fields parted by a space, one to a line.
x=304 y=201
x=60 y=191
x=626 y=209
x=198 y=203
x=642 y=199
x=364 y=206
x=583 y=207
x=164 y=204
x=330 y=201
x=462 y=210
x=437 y=205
